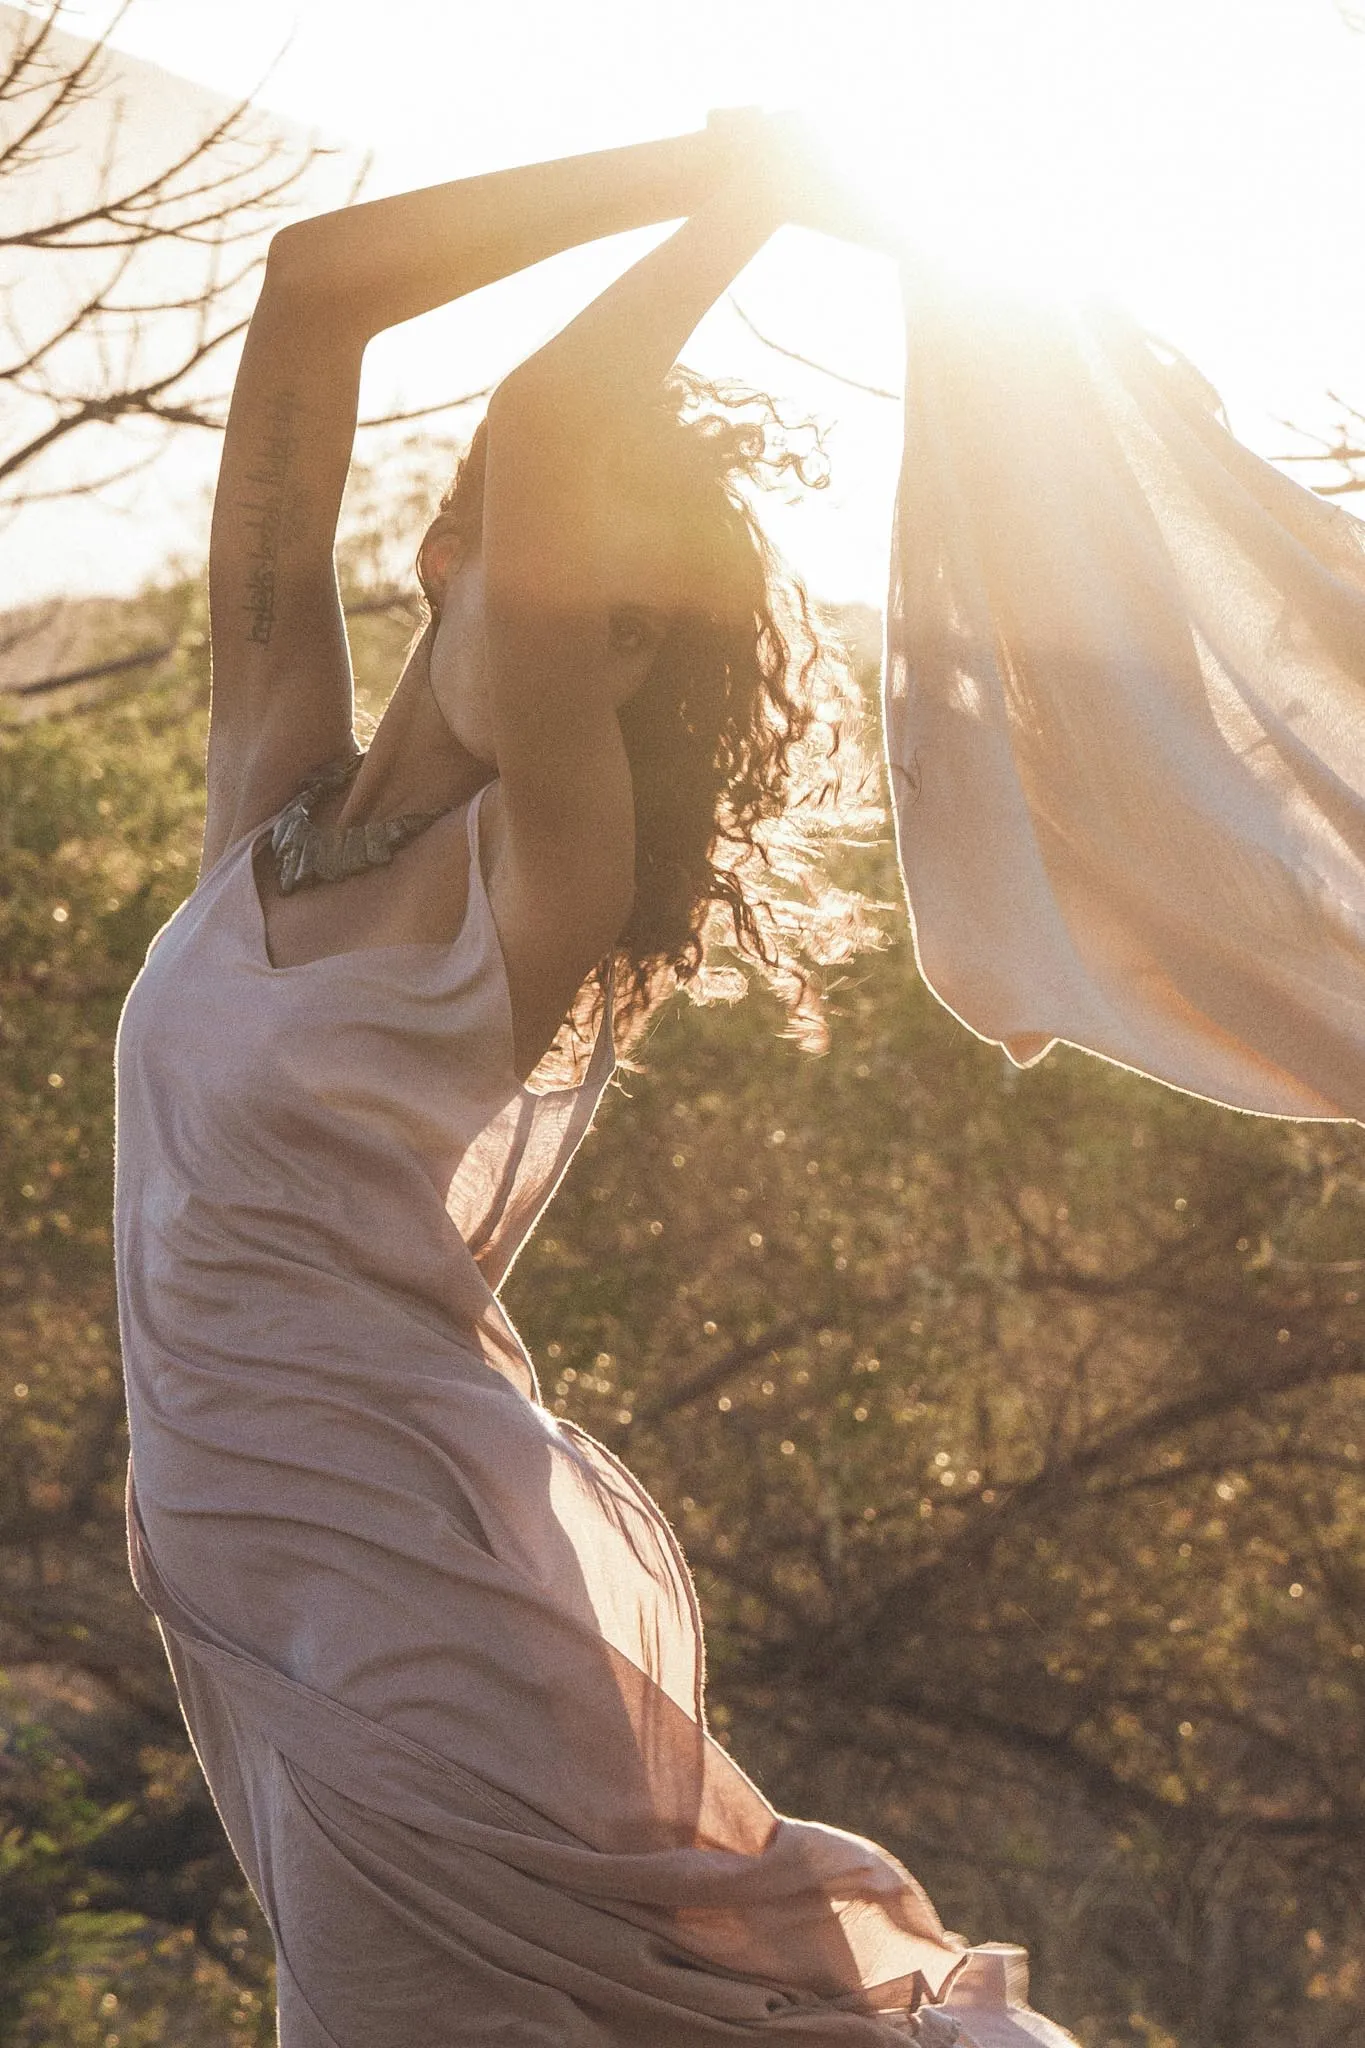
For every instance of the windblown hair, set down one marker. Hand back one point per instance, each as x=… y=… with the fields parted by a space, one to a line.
x=743 y=738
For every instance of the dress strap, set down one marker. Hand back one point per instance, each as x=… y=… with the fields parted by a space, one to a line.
x=511 y=1170
x=473 y=812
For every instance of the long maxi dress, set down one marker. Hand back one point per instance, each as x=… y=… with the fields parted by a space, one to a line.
x=438 y=1651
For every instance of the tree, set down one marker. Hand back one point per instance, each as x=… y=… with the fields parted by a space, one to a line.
x=1028 y=1528
x=129 y=248
x=1344 y=448
x=113 y=1879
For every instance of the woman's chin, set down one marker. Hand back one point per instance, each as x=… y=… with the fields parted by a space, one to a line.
x=478 y=744
x=466 y=726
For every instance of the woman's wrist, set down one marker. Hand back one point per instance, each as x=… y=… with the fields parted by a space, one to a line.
x=641 y=184
x=780 y=161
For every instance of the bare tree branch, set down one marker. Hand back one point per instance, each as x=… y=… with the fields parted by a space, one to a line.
x=424 y=412
x=853 y=383
x=73 y=84
x=705 y=1382
x=115 y=352
x=89 y=487
x=1345 y=447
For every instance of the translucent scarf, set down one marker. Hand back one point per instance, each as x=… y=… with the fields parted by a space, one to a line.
x=1125 y=714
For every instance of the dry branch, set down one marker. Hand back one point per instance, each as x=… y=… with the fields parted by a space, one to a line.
x=135 y=263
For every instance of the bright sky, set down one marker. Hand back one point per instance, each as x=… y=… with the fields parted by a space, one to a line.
x=1207 y=157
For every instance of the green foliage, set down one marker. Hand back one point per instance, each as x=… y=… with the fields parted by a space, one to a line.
x=115 y=1883
x=52 y=1825
x=1012 y=1424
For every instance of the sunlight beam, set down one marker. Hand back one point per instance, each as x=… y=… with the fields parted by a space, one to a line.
x=1076 y=145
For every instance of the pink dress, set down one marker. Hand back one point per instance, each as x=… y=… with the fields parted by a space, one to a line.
x=438 y=1651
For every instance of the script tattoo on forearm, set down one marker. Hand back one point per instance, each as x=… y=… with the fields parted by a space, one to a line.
x=269 y=478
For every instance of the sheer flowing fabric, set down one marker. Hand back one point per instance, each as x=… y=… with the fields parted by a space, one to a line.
x=1125 y=713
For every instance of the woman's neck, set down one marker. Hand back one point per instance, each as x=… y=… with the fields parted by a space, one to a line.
x=414 y=762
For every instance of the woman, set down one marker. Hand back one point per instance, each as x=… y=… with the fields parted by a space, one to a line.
x=438 y=1651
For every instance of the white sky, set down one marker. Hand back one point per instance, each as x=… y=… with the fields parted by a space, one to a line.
x=1209 y=154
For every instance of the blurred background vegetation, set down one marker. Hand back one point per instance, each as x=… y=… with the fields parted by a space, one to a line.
x=1012 y=1423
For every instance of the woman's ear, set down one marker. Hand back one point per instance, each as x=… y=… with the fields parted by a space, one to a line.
x=437 y=556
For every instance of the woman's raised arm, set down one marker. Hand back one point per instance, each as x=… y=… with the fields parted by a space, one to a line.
x=561 y=555
x=566 y=545
x=281 y=670
x=388 y=260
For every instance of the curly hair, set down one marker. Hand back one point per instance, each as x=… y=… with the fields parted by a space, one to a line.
x=742 y=739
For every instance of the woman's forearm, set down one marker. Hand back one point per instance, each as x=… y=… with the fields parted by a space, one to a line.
x=623 y=344
x=556 y=419
x=388 y=260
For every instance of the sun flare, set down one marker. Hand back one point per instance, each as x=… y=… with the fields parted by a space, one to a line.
x=972 y=144
x=1200 y=160
x=1073 y=145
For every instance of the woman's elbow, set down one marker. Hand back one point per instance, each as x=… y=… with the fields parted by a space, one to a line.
x=299 y=264
x=286 y=259
x=542 y=426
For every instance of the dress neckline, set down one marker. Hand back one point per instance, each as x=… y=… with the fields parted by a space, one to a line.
x=443 y=948
x=602 y=1058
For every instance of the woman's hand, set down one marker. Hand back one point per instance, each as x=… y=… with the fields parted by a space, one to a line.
x=780 y=160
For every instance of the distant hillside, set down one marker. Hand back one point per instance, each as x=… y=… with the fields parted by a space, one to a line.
x=41 y=642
